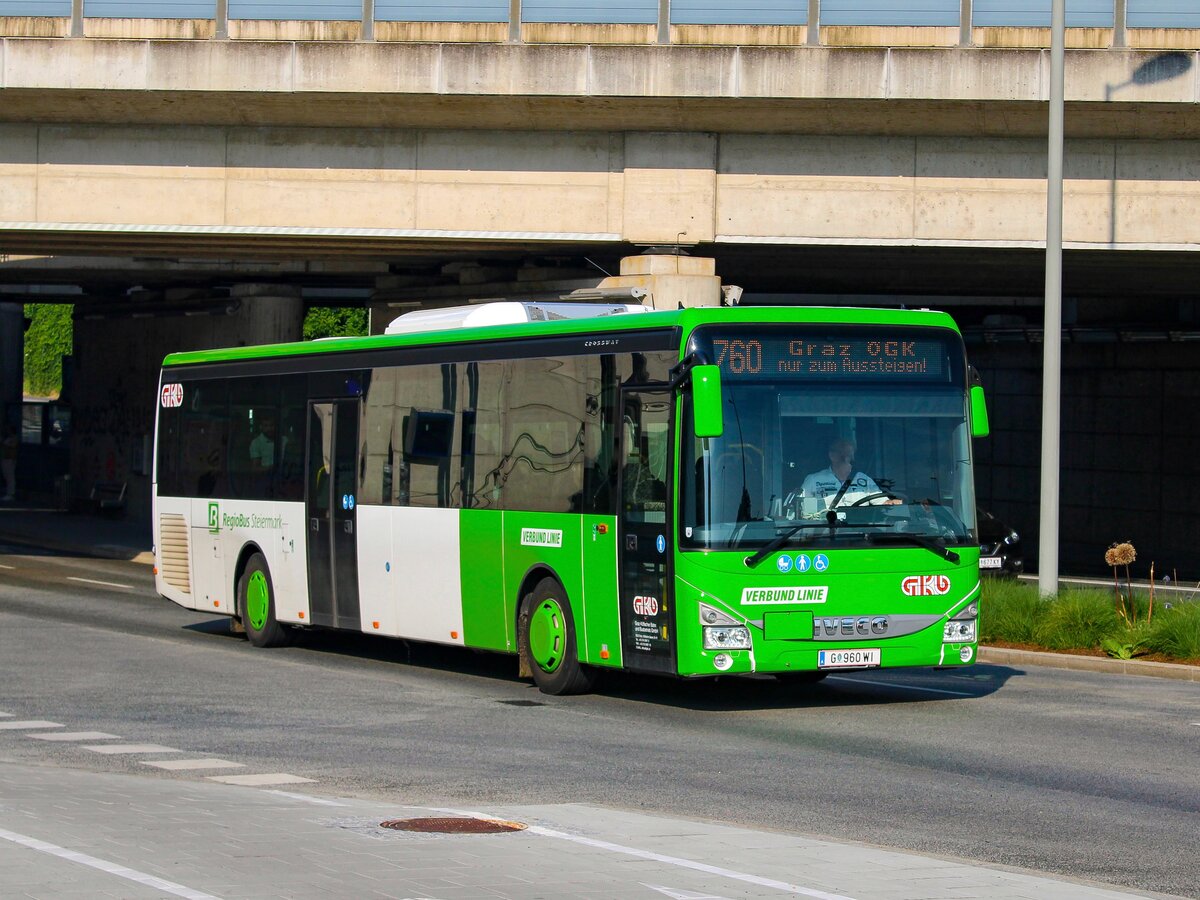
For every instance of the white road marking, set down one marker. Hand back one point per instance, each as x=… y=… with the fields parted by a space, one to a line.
x=73 y=736
x=6 y=567
x=132 y=748
x=29 y=723
x=256 y=780
x=181 y=764
x=319 y=801
x=158 y=884
x=4 y=715
x=124 y=587
x=679 y=894
x=904 y=687
x=662 y=858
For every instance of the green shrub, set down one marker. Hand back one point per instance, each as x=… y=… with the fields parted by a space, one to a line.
x=1087 y=619
x=1009 y=612
x=1078 y=619
x=335 y=321
x=1129 y=645
x=1175 y=632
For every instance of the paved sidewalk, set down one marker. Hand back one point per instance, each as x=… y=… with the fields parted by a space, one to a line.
x=68 y=833
x=80 y=533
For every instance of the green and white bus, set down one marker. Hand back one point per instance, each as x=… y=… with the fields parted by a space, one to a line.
x=614 y=489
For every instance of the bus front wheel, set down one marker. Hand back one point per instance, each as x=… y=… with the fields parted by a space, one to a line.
x=256 y=604
x=547 y=633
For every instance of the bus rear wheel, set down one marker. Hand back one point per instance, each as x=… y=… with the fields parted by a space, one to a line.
x=547 y=633
x=256 y=604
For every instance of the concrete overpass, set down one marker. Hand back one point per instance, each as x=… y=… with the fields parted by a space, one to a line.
x=370 y=148
x=243 y=178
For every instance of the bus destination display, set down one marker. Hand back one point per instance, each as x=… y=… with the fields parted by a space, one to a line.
x=868 y=358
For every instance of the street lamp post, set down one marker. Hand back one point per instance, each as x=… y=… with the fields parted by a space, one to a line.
x=1052 y=329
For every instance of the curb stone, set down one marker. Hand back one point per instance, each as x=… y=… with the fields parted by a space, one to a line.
x=1005 y=656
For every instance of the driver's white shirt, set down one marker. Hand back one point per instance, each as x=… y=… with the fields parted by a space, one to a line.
x=825 y=485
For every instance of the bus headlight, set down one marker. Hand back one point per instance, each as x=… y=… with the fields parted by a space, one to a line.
x=959 y=631
x=710 y=615
x=725 y=637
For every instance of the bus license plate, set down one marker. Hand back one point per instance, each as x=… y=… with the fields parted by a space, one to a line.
x=989 y=562
x=847 y=659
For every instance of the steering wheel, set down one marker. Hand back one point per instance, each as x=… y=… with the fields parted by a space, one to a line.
x=867 y=499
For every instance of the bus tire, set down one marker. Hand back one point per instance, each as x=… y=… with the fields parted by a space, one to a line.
x=547 y=632
x=256 y=605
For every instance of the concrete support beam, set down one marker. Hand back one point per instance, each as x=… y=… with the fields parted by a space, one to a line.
x=670 y=188
x=231 y=187
x=631 y=74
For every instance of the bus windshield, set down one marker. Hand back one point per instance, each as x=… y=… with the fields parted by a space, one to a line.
x=836 y=437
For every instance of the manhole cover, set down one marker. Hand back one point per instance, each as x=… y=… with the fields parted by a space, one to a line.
x=453 y=825
x=520 y=703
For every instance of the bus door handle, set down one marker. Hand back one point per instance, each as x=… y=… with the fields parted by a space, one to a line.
x=348 y=526
x=315 y=524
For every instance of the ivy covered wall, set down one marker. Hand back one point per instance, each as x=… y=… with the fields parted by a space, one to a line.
x=47 y=341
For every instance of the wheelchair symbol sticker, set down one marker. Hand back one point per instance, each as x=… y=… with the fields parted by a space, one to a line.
x=820 y=562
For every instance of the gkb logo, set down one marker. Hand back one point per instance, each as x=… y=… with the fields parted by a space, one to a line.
x=214 y=517
x=925 y=585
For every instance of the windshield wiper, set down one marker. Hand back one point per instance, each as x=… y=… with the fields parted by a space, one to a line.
x=778 y=541
x=916 y=540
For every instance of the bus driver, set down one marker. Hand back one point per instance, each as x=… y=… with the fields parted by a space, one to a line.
x=820 y=488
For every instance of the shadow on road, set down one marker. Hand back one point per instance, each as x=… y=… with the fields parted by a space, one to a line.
x=876 y=687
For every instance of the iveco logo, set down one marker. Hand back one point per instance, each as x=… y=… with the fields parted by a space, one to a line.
x=864 y=626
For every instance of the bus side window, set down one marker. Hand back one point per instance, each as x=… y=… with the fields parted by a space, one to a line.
x=204 y=440
x=601 y=430
x=376 y=435
x=485 y=397
x=542 y=466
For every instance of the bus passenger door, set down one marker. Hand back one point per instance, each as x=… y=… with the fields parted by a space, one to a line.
x=332 y=521
x=645 y=539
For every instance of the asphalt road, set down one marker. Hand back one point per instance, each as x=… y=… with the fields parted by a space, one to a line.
x=1083 y=775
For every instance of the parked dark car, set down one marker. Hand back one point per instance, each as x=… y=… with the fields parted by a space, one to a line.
x=999 y=546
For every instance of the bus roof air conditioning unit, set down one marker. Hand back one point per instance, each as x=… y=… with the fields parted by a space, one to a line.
x=507 y=312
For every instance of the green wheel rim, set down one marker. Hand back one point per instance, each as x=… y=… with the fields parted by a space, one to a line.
x=547 y=635
x=258 y=600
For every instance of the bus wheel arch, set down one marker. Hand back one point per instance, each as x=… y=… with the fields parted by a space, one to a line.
x=546 y=637
x=247 y=551
x=256 y=601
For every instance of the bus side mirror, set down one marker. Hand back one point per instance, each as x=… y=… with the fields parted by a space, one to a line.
x=979 y=415
x=706 y=401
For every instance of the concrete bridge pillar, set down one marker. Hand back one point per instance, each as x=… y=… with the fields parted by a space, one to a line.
x=670 y=280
